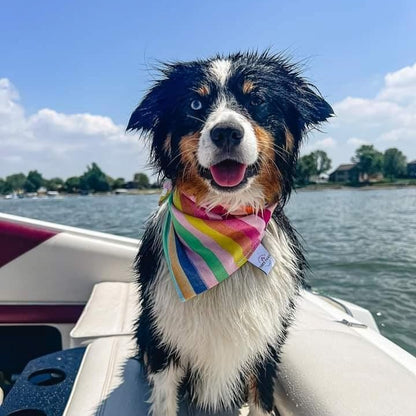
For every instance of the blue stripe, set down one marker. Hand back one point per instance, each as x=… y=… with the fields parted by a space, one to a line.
x=188 y=268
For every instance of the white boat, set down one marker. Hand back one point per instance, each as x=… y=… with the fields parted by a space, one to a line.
x=67 y=311
x=53 y=194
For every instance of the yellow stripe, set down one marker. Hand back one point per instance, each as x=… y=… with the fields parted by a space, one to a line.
x=177 y=201
x=222 y=240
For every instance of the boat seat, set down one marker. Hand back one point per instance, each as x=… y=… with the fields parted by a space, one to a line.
x=327 y=368
x=109 y=383
x=111 y=310
x=331 y=368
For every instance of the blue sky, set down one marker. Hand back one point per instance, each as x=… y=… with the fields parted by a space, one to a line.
x=71 y=72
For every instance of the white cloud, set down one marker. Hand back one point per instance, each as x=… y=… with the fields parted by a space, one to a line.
x=322 y=144
x=400 y=86
x=326 y=143
x=60 y=144
x=63 y=144
x=387 y=120
x=355 y=141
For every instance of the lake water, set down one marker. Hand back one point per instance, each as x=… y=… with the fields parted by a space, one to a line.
x=361 y=245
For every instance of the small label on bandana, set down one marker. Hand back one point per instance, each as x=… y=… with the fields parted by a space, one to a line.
x=262 y=259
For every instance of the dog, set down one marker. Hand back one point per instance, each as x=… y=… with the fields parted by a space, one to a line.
x=226 y=132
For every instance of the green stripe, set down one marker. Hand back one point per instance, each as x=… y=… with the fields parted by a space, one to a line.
x=166 y=232
x=166 y=227
x=209 y=257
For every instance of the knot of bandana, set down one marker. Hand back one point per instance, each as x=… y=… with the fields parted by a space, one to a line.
x=203 y=248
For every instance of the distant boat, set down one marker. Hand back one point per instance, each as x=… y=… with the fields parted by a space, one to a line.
x=53 y=194
x=14 y=195
x=121 y=191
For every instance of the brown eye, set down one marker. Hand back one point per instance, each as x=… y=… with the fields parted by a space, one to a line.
x=196 y=105
x=256 y=100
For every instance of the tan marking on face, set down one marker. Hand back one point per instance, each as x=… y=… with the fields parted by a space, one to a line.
x=190 y=182
x=167 y=146
x=248 y=86
x=290 y=141
x=269 y=177
x=203 y=90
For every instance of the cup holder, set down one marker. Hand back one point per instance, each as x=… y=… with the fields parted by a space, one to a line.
x=45 y=377
x=27 y=412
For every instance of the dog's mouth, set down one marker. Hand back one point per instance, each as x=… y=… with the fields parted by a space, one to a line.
x=228 y=175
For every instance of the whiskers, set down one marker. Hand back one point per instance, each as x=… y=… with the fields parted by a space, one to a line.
x=196 y=118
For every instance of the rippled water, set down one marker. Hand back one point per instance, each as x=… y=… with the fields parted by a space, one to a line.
x=361 y=245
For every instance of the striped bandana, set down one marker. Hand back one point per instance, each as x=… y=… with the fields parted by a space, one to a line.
x=202 y=248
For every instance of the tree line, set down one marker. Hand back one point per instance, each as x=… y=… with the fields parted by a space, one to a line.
x=92 y=180
x=369 y=161
x=392 y=163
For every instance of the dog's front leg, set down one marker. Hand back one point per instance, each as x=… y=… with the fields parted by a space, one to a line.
x=261 y=399
x=164 y=395
x=256 y=408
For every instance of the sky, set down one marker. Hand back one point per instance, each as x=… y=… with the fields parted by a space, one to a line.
x=72 y=72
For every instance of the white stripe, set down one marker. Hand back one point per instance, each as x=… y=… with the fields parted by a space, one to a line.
x=220 y=69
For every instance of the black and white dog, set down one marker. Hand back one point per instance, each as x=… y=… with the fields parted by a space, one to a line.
x=227 y=131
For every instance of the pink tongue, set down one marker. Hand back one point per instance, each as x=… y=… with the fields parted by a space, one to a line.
x=228 y=173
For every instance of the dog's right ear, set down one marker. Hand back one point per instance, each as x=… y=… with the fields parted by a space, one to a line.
x=147 y=115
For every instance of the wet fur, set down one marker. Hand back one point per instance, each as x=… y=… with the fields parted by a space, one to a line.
x=223 y=346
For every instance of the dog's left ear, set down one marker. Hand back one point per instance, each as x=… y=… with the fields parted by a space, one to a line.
x=146 y=116
x=312 y=108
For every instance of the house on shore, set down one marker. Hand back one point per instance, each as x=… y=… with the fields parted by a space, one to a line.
x=411 y=169
x=347 y=172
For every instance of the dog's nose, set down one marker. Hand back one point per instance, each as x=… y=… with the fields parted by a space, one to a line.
x=227 y=135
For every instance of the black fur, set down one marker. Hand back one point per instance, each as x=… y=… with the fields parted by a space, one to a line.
x=287 y=102
x=267 y=368
x=147 y=263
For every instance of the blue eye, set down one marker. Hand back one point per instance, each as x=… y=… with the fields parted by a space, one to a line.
x=196 y=105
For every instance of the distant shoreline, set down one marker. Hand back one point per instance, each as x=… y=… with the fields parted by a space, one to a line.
x=94 y=194
x=307 y=188
x=374 y=186
x=130 y=192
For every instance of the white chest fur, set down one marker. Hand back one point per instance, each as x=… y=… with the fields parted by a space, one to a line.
x=221 y=333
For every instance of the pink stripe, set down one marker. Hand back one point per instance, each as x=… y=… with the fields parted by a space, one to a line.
x=249 y=230
x=269 y=212
x=254 y=221
x=223 y=256
x=40 y=314
x=189 y=207
x=213 y=216
x=203 y=270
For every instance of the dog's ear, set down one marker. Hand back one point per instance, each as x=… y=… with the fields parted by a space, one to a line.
x=147 y=114
x=310 y=105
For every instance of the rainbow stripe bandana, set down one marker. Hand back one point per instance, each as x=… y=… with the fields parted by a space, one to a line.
x=203 y=248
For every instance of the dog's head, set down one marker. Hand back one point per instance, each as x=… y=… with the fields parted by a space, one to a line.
x=227 y=130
